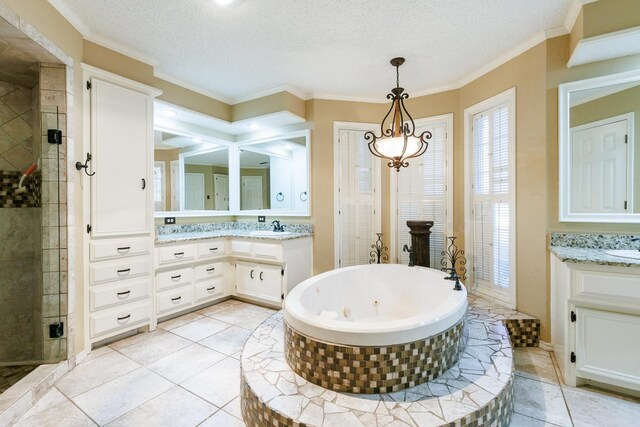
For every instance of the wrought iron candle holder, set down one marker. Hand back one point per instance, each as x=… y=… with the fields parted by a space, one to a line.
x=379 y=251
x=454 y=261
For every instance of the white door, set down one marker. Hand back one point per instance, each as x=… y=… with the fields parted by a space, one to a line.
x=120 y=135
x=358 y=181
x=175 y=185
x=159 y=187
x=599 y=168
x=194 y=191
x=252 y=193
x=221 y=188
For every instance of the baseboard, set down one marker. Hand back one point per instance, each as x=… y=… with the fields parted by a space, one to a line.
x=80 y=356
x=546 y=346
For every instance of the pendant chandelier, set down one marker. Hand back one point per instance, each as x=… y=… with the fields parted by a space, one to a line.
x=397 y=141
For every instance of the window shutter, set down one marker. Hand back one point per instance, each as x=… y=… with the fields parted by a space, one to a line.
x=356 y=219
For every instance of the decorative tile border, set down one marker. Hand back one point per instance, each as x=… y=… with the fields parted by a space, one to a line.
x=372 y=370
x=594 y=241
x=523 y=332
x=475 y=391
x=10 y=198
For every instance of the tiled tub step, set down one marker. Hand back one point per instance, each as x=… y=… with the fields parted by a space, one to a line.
x=478 y=390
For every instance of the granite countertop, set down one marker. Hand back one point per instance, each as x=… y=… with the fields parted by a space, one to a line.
x=592 y=256
x=164 y=239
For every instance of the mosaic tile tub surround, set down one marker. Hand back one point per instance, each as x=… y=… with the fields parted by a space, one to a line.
x=477 y=390
x=372 y=370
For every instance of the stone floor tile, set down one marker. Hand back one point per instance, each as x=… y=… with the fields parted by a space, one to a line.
x=216 y=308
x=115 y=398
x=519 y=420
x=222 y=419
x=219 y=384
x=168 y=325
x=175 y=407
x=535 y=365
x=200 y=329
x=237 y=314
x=233 y=408
x=229 y=341
x=592 y=408
x=62 y=414
x=540 y=400
x=155 y=347
x=94 y=354
x=135 y=339
x=95 y=372
x=254 y=321
x=52 y=398
x=186 y=363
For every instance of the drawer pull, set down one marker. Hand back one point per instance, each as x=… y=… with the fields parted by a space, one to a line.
x=124 y=271
x=176 y=299
x=209 y=270
x=251 y=274
x=120 y=319
x=213 y=288
x=121 y=294
x=124 y=249
x=261 y=273
x=213 y=249
x=178 y=254
x=176 y=277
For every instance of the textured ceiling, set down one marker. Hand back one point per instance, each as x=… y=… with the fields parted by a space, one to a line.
x=322 y=47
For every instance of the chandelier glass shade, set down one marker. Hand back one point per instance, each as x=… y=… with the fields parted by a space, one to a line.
x=397 y=141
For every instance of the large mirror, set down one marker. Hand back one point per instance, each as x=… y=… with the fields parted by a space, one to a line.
x=190 y=174
x=599 y=159
x=274 y=174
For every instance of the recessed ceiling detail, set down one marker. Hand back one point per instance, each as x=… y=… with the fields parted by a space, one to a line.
x=325 y=48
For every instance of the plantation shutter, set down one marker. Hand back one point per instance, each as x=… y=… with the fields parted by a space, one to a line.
x=422 y=190
x=356 y=193
x=491 y=191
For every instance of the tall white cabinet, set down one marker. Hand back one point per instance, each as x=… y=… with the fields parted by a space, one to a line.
x=118 y=120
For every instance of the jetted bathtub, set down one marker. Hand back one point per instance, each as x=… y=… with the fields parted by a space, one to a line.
x=374 y=328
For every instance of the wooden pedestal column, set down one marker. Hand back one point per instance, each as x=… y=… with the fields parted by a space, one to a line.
x=420 y=232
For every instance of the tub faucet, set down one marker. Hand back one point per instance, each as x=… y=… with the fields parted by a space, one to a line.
x=277 y=227
x=406 y=248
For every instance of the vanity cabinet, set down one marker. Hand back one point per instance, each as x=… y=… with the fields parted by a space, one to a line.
x=118 y=243
x=260 y=281
x=595 y=323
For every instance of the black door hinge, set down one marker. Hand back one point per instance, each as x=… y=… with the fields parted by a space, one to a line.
x=56 y=330
x=282 y=297
x=573 y=316
x=282 y=272
x=625 y=205
x=88 y=85
x=88 y=228
x=573 y=357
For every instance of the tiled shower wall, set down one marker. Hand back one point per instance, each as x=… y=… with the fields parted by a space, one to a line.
x=33 y=246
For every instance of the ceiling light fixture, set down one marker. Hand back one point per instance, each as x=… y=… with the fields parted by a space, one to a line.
x=169 y=113
x=397 y=141
x=224 y=2
x=254 y=126
x=196 y=139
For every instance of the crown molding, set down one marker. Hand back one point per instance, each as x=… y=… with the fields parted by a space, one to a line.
x=121 y=48
x=171 y=79
x=284 y=88
x=70 y=16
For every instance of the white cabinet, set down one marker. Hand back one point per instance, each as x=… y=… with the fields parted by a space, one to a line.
x=118 y=125
x=259 y=281
x=595 y=323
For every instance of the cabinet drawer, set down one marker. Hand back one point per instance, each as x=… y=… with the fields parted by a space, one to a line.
x=174 y=299
x=212 y=249
x=110 y=271
x=167 y=255
x=125 y=317
x=241 y=248
x=118 y=248
x=267 y=251
x=205 y=271
x=110 y=295
x=209 y=289
x=174 y=278
x=597 y=284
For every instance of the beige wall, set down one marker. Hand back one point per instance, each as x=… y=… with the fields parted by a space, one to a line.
x=606 y=16
x=281 y=101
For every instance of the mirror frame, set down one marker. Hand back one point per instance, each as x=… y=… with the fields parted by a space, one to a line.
x=564 y=153
x=236 y=181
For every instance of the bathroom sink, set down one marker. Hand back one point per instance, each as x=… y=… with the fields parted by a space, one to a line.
x=624 y=253
x=269 y=233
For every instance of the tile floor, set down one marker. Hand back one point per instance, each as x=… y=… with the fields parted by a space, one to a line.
x=9 y=375
x=187 y=373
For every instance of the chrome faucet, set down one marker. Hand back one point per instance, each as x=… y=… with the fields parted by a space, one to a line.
x=277 y=227
x=406 y=248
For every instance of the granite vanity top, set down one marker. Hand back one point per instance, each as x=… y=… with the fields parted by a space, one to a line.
x=166 y=234
x=590 y=248
x=203 y=235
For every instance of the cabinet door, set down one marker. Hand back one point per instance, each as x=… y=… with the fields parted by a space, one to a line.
x=270 y=283
x=247 y=279
x=120 y=148
x=607 y=347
